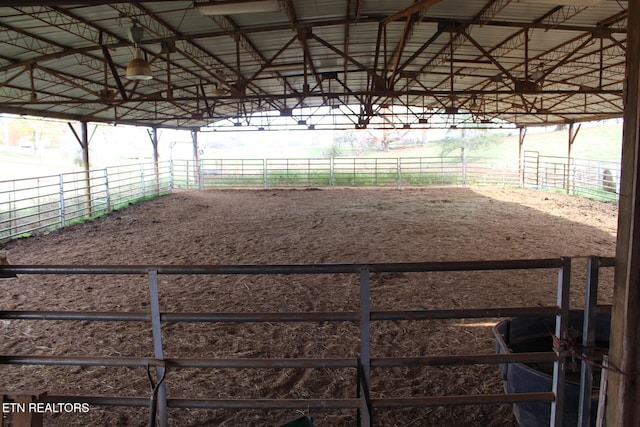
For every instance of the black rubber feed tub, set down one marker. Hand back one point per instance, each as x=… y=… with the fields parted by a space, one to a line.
x=534 y=334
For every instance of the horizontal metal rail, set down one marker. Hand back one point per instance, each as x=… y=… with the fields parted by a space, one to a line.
x=362 y=364
x=416 y=267
x=288 y=317
x=337 y=403
x=280 y=363
x=413 y=402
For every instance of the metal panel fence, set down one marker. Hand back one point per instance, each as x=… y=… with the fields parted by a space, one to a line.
x=44 y=203
x=595 y=179
x=160 y=404
x=344 y=172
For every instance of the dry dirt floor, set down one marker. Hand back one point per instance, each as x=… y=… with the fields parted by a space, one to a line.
x=292 y=227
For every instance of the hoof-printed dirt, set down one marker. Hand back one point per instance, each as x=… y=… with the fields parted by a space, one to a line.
x=291 y=227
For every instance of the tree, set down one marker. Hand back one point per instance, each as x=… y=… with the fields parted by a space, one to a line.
x=474 y=140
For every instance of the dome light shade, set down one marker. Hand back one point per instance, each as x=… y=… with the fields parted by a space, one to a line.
x=138 y=68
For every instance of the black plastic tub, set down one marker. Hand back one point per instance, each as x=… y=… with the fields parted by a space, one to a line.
x=534 y=334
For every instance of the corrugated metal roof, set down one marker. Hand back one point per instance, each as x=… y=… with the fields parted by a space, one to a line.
x=528 y=62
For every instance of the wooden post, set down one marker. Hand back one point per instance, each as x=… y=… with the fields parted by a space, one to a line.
x=623 y=398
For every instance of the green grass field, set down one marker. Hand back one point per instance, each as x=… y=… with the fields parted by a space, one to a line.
x=601 y=142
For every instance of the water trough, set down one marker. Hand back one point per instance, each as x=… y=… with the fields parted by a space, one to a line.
x=535 y=334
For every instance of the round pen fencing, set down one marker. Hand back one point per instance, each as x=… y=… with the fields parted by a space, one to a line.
x=595 y=179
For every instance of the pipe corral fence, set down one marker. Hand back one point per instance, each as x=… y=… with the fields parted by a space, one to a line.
x=362 y=366
x=41 y=204
x=595 y=179
x=45 y=203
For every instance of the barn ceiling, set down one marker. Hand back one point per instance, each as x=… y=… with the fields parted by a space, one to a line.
x=316 y=64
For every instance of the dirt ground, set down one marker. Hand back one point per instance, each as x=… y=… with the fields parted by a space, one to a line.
x=291 y=227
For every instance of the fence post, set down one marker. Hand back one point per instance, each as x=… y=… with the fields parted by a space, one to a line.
x=159 y=398
x=588 y=340
x=142 y=189
x=186 y=173
x=171 y=172
x=265 y=165
x=61 y=204
x=463 y=159
x=562 y=326
x=106 y=189
x=399 y=172
x=365 y=343
x=287 y=181
x=332 y=179
x=354 y=172
x=11 y=206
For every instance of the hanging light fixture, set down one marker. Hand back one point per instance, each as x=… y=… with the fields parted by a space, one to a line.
x=538 y=73
x=138 y=68
x=217 y=91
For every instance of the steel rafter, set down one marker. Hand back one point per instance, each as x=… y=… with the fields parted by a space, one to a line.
x=580 y=73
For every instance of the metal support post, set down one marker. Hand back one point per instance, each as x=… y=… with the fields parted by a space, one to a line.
x=106 y=189
x=463 y=160
x=156 y=328
x=365 y=345
x=62 y=221
x=522 y=134
x=562 y=325
x=375 y=174
x=588 y=340
x=265 y=165
x=142 y=189
x=355 y=175
x=332 y=181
